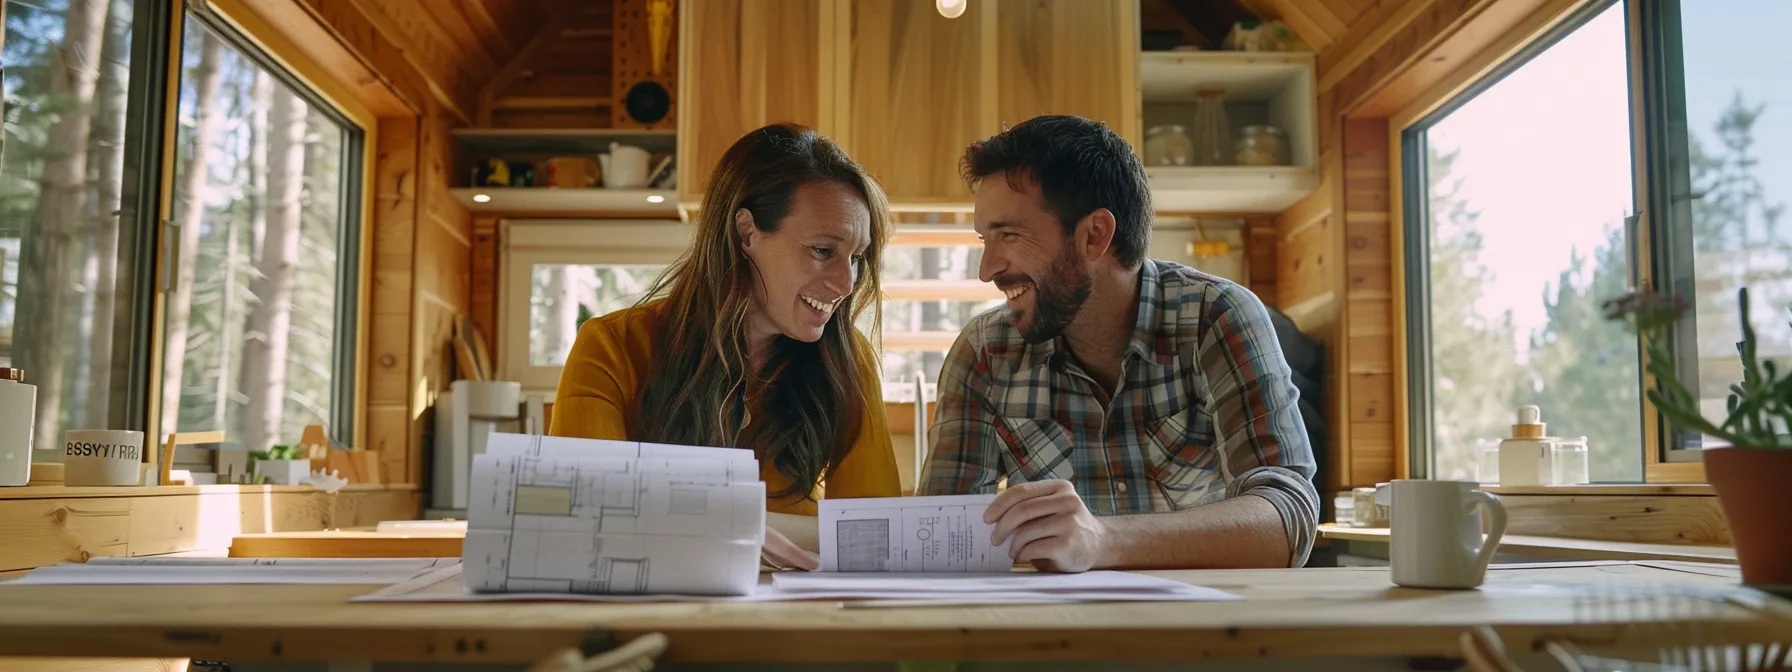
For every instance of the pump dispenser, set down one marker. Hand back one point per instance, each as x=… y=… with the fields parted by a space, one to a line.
x=1524 y=458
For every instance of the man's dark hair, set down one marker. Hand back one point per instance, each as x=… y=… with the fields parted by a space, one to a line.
x=1080 y=166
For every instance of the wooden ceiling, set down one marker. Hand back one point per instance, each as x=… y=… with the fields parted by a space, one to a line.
x=1204 y=23
x=515 y=63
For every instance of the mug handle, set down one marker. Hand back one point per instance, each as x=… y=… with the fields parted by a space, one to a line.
x=1491 y=504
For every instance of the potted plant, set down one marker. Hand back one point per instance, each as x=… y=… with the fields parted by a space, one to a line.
x=282 y=465
x=1751 y=475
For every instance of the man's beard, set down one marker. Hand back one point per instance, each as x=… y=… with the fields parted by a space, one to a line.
x=1057 y=299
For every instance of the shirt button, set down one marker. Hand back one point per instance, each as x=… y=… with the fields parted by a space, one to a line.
x=1122 y=486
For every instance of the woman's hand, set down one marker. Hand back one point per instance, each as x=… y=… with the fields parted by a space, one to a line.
x=781 y=553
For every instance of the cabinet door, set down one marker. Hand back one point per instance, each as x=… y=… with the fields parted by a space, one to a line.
x=1069 y=57
x=914 y=97
x=743 y=64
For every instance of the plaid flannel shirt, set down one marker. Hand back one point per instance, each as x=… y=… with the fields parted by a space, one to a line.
x=1205 y=410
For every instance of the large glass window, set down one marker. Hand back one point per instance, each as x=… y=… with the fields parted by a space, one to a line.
x=563 y=296
x=1519 y=191
x=259 y=318
x=62 y=181
x=1727 y=108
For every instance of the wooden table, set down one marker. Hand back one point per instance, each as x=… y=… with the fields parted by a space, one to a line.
x=1561 y=548
x=1287 y=613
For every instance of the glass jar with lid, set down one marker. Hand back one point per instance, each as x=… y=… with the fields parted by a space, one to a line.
x=1261 y=145
x=1168 y=145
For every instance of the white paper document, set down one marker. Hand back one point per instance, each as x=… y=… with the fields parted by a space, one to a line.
x=559 y=515
x=153 y=571
x=882 y=590
x=909 y=534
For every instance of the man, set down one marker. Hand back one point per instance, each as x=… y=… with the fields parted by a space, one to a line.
x=1141 y=412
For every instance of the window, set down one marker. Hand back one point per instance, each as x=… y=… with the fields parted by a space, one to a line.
x=1724 y=119
x=931 y=291
x=259 y=320
x=559 y=273
x=74 y=75
x=1518 y=195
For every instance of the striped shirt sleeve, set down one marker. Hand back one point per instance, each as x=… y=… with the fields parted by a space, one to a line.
x=965 y=455
x=1258 y=431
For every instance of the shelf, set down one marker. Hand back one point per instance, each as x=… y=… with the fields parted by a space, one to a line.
x=1175 y=76
x=587 y=201
x=515 y=141
x=1269 y=189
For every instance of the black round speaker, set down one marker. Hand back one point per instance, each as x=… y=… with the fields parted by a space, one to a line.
x=647 y=102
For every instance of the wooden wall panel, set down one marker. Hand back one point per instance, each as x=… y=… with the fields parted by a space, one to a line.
x=904 y=52
x=1262 y=245
x=394 y=234
x=1068 y=57
x=483 y=304
x=46 y=531
x=1368 y=296
x=756 y=62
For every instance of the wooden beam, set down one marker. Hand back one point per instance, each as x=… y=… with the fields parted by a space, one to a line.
x=507 y=76
x=444 y=72
x=1362 y=39
x=480 y=18
x=341 y=39
x=1448 y=34
x=1306 y=21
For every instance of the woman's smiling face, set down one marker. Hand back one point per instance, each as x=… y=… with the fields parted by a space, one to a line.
x=805 y=269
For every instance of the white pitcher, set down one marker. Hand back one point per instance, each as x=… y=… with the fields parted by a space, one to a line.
x=624 y=167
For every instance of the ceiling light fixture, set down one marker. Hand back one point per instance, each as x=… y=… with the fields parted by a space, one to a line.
x=950 y=9
x=656 y=199
x=482 y=198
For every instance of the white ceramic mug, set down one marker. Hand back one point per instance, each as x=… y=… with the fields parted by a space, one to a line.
x=1437 y=539
x=624 y=167
x=102 y=457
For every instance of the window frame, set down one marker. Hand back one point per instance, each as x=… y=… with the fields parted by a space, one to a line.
x=239 y=28
x=528 y=242
x=1407 y=131
x=1660 y=244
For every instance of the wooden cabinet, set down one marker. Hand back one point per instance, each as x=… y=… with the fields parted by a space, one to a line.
x=900 y=87
x=913 y=97
x=742 y=64
x=1068 y=57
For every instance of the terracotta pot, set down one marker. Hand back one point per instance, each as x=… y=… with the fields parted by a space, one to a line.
x=1751 y=487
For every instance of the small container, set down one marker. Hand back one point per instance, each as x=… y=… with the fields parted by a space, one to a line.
x=1212 y=133
x=1487 y=465
x=1524 y=457
x=1568 y=459
x=1369 y=513
x=1260 y=145
x=1344 y=509
x=1168 y=145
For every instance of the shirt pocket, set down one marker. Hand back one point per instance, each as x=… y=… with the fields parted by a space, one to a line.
x=1181 y=459
x=1040 y=450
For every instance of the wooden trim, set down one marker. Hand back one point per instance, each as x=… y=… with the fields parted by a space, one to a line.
x=934 y=238
x=1652 y=490
x=935 y=341
x=164 y=212
x=1490 y=56
x=1425 y=51
x=940 y=290
x=278 y=45
x=1670 y=472
x=1365 y=37
x=1649 y=519
x=1397 y=306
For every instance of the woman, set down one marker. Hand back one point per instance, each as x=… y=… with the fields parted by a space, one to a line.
x=748 y=340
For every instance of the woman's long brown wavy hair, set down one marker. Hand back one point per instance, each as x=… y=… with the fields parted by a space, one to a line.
x=810 y=413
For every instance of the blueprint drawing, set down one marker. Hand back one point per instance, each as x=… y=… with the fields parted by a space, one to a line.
x=910 y=534
x=550 y=514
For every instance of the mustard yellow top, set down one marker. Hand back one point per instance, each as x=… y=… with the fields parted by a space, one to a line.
x=610 y=363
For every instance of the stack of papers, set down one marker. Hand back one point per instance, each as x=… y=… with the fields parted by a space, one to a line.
x=561 y=515
x=879 y=589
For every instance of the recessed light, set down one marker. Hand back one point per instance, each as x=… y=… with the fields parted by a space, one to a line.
x=656 y=198
x=950 y=9
x=482 y=198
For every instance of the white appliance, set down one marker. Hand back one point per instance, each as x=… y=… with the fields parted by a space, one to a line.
x=466 y=415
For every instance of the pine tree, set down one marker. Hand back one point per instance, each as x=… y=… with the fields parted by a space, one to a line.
x=267 y=336
x=52 y=248
x=1474 y=370
x=191 y=192
x=108 y=157
x=1590 y=382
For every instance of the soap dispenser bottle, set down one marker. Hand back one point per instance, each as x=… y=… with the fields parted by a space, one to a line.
x=1524 y=457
